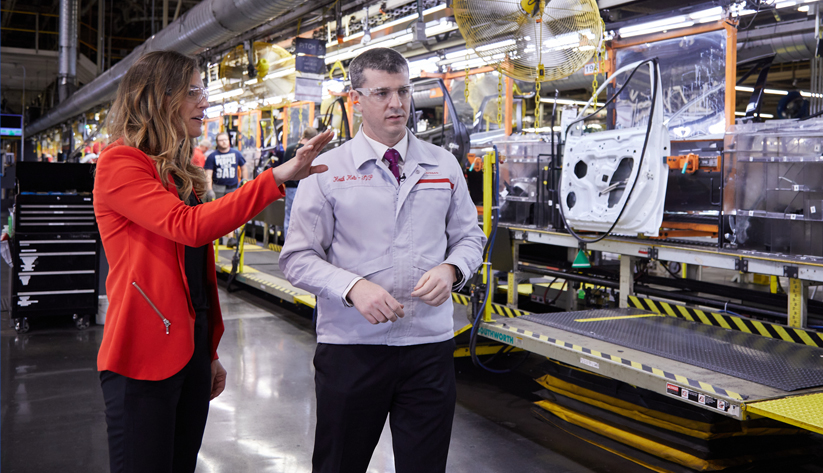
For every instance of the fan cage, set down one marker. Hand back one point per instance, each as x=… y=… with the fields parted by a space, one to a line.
x=507 y=33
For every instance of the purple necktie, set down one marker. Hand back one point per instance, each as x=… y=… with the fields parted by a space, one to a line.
x=393 y=157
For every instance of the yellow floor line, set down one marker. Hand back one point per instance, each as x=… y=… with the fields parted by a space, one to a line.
x=598 y=319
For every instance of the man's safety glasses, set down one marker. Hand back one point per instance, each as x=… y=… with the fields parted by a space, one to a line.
x=384 y=94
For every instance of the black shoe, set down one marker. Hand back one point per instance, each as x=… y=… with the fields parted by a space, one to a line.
x=232 y=242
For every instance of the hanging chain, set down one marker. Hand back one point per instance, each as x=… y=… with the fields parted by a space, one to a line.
x=499 y=97
x=599 y=60
x=466 y=83
x=541 y=73
x=536 y=105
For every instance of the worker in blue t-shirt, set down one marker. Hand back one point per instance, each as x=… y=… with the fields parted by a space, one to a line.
x=225 y=169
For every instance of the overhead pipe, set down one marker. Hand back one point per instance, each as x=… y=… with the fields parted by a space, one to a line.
x=67 y=49
x=210 y=23
x=213 y=22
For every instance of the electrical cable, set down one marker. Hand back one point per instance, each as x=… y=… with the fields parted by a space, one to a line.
x=727 y=311
x=565 y=283
x=579 y=238
x=546 y=292
x=758 y=5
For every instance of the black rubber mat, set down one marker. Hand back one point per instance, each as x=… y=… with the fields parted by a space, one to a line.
x=775 y=363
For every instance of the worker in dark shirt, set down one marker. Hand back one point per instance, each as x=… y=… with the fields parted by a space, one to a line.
x=291 y=186
x=225 y=169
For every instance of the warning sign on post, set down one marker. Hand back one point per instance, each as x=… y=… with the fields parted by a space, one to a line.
x=309 y=87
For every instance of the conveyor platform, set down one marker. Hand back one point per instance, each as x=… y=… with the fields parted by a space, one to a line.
x=712 y=366
x=729 y=372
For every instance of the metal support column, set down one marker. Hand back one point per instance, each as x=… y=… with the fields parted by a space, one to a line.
x=512 y=290
x=101 y=15
x=626 y=280
x=816 y=80
x=488 y=193
x=507 y=113
x=694 y=272
x=798 y=302
x=571 y=296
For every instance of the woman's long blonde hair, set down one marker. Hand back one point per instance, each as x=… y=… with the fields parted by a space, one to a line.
x=146 y=116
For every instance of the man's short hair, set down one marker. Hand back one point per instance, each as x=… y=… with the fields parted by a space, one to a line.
x=308 y=133
x=204 y=143
x=379 y=59
x=222 y=133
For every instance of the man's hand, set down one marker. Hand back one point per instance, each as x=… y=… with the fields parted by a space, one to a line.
x=218 y=379
x=374 y=303
x=299 y=167
x=210 y=195
x=435 y=287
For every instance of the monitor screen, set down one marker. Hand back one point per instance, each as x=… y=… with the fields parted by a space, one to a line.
x=11 y=125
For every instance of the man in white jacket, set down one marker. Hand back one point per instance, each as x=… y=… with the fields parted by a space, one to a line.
x=382 y=239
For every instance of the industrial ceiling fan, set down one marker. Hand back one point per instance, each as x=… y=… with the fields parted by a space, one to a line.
x=531 y=40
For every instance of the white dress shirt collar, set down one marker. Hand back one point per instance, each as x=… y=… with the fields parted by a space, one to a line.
x=379 y=148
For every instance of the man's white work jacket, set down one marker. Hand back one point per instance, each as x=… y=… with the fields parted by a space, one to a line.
x=355 y=220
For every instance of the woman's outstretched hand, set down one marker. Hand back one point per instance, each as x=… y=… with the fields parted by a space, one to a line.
x=299 y=167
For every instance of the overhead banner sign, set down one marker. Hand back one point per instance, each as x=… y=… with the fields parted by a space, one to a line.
x=311 y=47
x=310 y=64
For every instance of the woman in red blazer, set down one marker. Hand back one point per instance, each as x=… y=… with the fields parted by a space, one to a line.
x=158 y=359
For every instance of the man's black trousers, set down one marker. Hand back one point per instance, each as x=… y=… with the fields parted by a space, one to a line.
x=357 y=386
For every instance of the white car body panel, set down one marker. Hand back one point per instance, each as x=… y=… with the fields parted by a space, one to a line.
x=591 y=195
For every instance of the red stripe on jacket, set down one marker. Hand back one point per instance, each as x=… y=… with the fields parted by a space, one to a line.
x=435 y=181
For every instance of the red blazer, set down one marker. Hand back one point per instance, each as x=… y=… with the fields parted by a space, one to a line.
x=145 y=228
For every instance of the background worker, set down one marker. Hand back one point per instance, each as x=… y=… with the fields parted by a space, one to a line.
x=291 y=186
x=225 y=169
x=199 y=156
x=382 y=239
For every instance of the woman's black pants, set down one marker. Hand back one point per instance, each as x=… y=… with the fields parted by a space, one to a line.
x=157 y=426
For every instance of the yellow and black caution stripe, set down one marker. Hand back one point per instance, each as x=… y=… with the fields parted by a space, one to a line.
x=498 y=309
x=461 y=299
x=640 y=366
x=272 y=285
x=501 y=309
x=274 y=247
x=731 y=322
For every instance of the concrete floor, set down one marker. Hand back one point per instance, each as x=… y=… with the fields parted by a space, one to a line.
x=52 y=407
